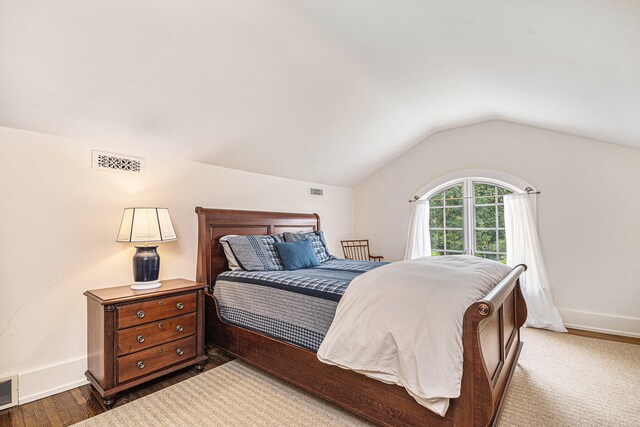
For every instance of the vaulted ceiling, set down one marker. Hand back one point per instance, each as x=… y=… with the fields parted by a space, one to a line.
x=326 y=91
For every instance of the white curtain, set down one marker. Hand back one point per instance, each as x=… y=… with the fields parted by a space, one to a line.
x=418 y=237
x=523 y=247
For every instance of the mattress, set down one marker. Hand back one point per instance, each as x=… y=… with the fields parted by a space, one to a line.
x=292 y=306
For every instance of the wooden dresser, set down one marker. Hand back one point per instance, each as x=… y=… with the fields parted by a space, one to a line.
x=136 y=336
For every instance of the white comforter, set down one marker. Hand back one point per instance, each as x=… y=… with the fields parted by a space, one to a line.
x=402 y=324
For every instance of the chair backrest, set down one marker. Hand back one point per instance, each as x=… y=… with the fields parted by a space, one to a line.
x=356 y=249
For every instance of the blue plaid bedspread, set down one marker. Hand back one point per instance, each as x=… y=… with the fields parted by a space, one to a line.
x=293 y=306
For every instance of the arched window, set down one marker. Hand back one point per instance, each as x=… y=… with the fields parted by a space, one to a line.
x=467 y=217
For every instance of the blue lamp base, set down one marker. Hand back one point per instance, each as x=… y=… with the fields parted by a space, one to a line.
x=146 y=268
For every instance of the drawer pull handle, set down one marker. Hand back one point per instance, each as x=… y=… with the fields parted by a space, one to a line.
x=179 y=306
x=179 y=328
x=179 y=352
x=140 y=338
x=140 y=364
x=140 y=314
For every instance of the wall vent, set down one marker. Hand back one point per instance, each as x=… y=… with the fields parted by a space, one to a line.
x=316 y=192
x=8 y=392
x=117 y=162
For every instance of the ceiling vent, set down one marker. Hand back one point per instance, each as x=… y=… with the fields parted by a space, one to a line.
x=117 y=162
x=8 y=392
x=316 y=192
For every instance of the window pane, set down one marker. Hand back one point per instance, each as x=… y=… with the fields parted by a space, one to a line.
x=485 y=240
x=485 y=216
x=454 y=217
x=455 y=193
x=501 y=216
x=454 y=240
x=436 y=219
x=502 y=241
x=436 y=253
x=489 y=256
x=484 y=190
x=436 y=200
x=501 y=192
x=503 y=258
x=444 y=216
x=485 y=201
x=453 y=253
x=437 y=239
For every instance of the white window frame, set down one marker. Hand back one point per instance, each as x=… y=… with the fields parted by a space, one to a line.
x=468 y=204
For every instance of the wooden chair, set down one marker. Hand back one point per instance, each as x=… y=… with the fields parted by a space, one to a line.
x=358 y=250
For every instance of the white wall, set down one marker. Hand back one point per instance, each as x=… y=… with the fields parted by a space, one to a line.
x=59 y=222
x=588 y=212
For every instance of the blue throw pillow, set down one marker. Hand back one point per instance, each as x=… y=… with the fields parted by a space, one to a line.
x=297 y=255
x=317 y=242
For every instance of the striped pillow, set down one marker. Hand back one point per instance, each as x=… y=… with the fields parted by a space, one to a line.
x=257 y=253
x=231 y=258
x=317 y=242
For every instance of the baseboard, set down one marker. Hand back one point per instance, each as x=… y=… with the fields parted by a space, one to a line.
x=603 y=323
x=50 y=380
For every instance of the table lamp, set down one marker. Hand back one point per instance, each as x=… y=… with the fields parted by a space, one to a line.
x=146 y=225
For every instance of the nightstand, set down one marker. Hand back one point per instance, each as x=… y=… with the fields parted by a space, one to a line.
x=136 y=336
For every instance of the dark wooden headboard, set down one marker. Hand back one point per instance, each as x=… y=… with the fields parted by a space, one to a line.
x=215 y=223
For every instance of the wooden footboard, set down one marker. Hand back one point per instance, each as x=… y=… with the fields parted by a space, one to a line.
x=492 y=345
x=491 y=339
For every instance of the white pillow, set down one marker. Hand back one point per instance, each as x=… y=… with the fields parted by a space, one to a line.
x=231 y=258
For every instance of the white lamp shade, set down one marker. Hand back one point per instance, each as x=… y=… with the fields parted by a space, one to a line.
x=143 y=225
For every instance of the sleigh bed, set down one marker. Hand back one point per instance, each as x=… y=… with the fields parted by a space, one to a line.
x=491 y=338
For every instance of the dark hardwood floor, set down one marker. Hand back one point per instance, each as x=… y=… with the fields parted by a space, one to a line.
x=603 y=336
x=72 y=406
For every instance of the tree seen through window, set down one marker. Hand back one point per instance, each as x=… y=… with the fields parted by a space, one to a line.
x=468 y=218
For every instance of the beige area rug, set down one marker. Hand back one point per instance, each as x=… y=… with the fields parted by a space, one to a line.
x=567 y=380
x=561 y=380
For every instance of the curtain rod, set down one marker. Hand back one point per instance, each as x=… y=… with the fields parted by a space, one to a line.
x=528 y=190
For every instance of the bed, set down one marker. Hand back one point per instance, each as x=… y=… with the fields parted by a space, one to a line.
x=491 y=338
x=292 y=306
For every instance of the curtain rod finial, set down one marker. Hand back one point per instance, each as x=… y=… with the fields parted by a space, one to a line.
x=530 y=190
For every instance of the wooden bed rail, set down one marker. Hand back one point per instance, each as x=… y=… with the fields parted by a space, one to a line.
x=497 y=295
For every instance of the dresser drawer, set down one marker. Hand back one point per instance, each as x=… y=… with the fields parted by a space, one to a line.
x=138 y=338
x=155 y=358
x=157 y=309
